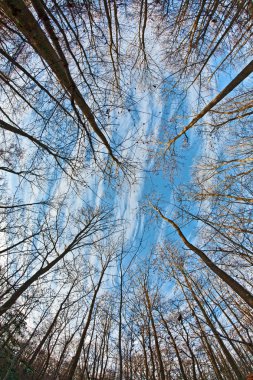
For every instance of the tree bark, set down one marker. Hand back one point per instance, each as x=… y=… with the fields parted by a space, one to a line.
x=233 y=284
x=230 y=87
x=24 y=20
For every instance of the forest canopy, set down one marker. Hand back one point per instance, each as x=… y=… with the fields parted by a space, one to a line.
x=126 y=189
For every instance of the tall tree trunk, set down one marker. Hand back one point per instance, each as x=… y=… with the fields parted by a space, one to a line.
x=233 y=284
x=75 y=359
x=226 y=352
x=229 y=88
x=50 y=328
x=158 y=351
x=184 y=377
x=145 y=354
x=204 y=339
x=24 y=20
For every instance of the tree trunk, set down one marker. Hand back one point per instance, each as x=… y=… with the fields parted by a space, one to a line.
x=233 y=284
x=23 y=18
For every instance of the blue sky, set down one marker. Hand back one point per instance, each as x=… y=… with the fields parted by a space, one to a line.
x=141 y=122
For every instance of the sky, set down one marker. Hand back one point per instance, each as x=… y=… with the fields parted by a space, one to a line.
x=141 y=122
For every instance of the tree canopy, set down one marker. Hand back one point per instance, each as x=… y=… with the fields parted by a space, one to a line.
x=126 y=189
